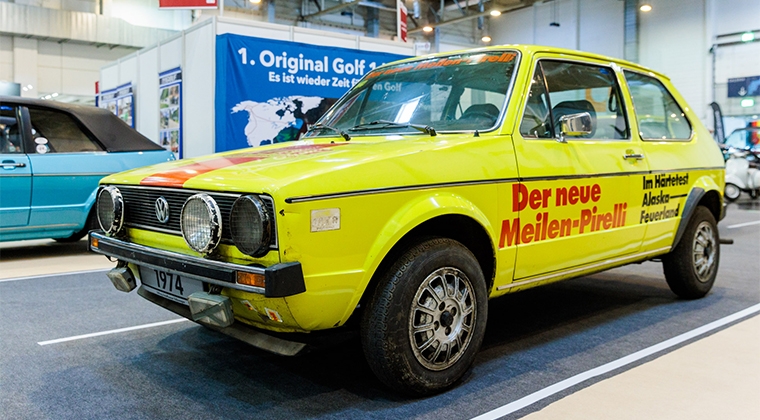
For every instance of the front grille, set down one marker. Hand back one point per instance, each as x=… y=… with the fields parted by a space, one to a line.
x=140 y=211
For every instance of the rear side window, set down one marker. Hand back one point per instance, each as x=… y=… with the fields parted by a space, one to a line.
x=658 y=115
x=57 y=132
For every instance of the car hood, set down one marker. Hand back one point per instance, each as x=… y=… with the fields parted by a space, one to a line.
x=326 y=166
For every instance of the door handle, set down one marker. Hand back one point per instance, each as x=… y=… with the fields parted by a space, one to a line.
x=9 y=164
x=637 y=156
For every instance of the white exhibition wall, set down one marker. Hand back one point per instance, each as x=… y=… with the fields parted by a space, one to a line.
x=54 y=67
x=674 y=38
x=194 y=51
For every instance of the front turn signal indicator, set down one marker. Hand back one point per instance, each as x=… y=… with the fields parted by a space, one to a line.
x=250 y=279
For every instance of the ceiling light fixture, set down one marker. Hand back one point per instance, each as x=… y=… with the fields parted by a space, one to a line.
x=748 y=37
x=255 y=1
x=427 y=28
x=495 y=13
x=646 y=7
x=746 y=103
x=486 y=39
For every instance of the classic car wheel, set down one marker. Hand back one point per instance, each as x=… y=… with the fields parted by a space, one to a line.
x=425 y=320
x=691 y=267
x=732 y=192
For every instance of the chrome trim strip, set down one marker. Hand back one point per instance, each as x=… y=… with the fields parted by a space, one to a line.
x=305 y=198
x=100 y=174
x=610 y=262
x=62 y=225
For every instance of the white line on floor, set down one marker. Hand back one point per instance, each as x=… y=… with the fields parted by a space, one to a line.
x=120 y=330
x=756 y=222
x=42 y=276
x=609 y=367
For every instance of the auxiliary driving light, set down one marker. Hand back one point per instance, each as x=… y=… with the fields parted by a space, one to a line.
x=250 y=226
x=110 y=210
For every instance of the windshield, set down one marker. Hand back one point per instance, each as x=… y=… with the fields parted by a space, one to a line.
x=453 y=93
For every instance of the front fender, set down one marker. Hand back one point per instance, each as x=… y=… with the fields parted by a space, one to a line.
x=415 y=213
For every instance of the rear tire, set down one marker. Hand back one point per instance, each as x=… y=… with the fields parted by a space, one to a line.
x=691 y=267
x=426 y=319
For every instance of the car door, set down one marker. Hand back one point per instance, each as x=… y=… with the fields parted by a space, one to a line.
x=15 y=171
x=67 y=164
x=574 y=203
x=667 y=138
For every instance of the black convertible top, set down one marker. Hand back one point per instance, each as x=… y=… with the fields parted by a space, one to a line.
x=108 y=129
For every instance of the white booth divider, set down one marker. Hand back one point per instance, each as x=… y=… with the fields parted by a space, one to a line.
x=194 y=51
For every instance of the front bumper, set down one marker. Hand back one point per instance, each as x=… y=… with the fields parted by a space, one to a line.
x=280 y=280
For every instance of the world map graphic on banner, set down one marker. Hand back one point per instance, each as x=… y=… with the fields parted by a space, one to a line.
x=270 y=91
x=278 y=119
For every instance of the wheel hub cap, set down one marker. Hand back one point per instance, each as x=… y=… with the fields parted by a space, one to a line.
x=442 y=317
x=705 y=251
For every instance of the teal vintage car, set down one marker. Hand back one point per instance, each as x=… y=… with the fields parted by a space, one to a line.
x=52 y=156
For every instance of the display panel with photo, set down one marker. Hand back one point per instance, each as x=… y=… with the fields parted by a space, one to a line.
x=170 y=110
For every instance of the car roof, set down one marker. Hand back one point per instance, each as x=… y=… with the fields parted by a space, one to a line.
x=530 y=50
x=112 y=132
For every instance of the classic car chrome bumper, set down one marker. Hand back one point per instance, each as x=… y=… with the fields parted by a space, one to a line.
x=280 y=280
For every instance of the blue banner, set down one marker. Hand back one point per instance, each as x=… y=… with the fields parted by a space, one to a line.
x=269 y=91
x=744 y=86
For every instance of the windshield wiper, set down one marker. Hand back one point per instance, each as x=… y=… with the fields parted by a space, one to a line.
x=386 y=124
x=331 y=128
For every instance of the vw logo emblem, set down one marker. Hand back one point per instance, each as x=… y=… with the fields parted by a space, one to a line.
x=162 y=210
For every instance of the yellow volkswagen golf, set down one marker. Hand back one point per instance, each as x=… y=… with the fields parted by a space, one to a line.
x=435 y=184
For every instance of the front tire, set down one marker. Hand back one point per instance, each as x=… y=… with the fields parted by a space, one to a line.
x=426 y=319
x=691 y=267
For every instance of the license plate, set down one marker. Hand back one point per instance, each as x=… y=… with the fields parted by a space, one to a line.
x=175 y=287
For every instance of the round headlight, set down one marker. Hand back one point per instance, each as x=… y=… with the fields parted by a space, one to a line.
x=250 y=226
x=201 y=223
x=110 y=210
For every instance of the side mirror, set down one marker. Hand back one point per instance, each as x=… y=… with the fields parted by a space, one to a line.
x=574 y=125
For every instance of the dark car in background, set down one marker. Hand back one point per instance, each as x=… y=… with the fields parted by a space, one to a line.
x=52 y=156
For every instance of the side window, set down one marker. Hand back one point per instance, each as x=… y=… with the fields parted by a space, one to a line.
x=54 y=131
x=658 y=115
x=536 y=122
x=10 y=132
x=575 y=88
